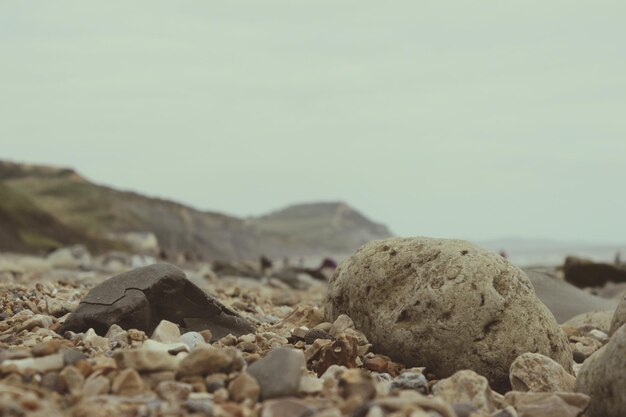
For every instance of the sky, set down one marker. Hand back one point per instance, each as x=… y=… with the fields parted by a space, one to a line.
x=456 y=119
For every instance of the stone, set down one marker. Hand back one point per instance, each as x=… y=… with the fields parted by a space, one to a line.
x=547 y=404
x=244 y=387
x=279 y=372
x=42 y=364
x=312 y=335
x=52 y=381
x=340 y=325
x=287 y=407
x=408 y=380
x=563 y=299
x=619 y=317
x=166 y=332
x=208 y=360
x=466 y=387
x=48 y=347
x=537 y=373
x=144 y=360
x=584 y=273
x=93 y=341
x=127 y=383
x=344 y=350
x=117 y=336
x=71 y=356
x=38 y=320
x=99 y=385
x=603 y=378
x=376 y=364
x=413 y=296
x=141 y=298
x=173 y=392
x=73 y=379
x=600 y=320
x=192 y=339
x=203 y=407
x=356 y=382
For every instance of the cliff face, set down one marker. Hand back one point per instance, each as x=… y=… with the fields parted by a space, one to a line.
x=92 y=212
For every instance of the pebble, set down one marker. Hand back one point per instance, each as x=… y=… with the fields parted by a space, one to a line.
x=173 y=391
x=166 y=332
x=415 y=381
x=244 y=387
x=279 y=372
x=207 y=360
x=537 y=373
x=466 y=387
x=127 y=383
x=192 y=339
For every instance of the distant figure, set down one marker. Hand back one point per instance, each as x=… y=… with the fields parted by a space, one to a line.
x=503 y=254
x=266 y=264
x=618 y=258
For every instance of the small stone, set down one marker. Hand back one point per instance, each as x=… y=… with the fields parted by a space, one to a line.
x=38 y=320
x=173 y=392
x=279 y=372
x=127 y=383
x=537 y=373
x=99 y=385
x=71 y=356
x=136 y=335
x=356 y=382
x=312 y=335
x=47 y=348
x=192 y=339
x=207 y=335
x=415 y=381
x=42 y=364
x=93 y=341
x=73 y=379
x=52 y=381
x=464 y=410
x=166 y=332
x=144 y=360
x=598 y=335
x=117 y=336
x=546 y=404
x=376 y=364
x=215 y=381
x=208 y=360
x=340 y=325
x=466 y=387
x=287 y=407
x=202 y=407
x=310 y=384
x=244 y=387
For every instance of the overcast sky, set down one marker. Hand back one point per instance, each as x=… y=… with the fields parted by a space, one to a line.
x=453 y=119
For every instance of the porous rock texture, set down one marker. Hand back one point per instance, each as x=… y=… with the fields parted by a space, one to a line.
x=447 y=305
x=619 y=317
x=603 y=378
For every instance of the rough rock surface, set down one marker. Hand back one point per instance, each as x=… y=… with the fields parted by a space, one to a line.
x=466 y=387
x=603 y=378
x=537 y=373
x=619 y=317
x=445 y=304
x=544 y=404
x=600 y=320
x=141 y=298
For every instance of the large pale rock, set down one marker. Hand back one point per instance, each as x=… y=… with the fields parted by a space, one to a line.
x=603 y=378
x=141 y=298
x=547 y=404
x=445 y=304
x=466 y=387
x=600 y=320
x=619 y=317
x=537 y=373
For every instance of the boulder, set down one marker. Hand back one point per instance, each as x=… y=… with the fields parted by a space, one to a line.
x=619 y=317
x=141 y=298
x=448 y=305
x=585 y=273
x=563 y=299
x=603 y=378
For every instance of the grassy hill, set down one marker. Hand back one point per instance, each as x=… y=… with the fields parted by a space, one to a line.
x=71 y=201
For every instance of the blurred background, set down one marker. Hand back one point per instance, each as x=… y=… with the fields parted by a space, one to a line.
x=304 y=129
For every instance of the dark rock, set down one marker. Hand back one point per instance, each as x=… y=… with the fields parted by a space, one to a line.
x=411 y=380
x=71 y=356
x=314 y=334
x=565 y=300
x=464 y=410
x=584 y=273
x=279 y=372
x=141 y=298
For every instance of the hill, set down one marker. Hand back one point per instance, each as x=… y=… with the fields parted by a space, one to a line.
x=95 y=211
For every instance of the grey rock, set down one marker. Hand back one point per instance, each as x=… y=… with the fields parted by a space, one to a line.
x=537 y=373
x=563 y=299
x=202 y=407
x=141 y=298
x=191 y=339
x=600 y=320
x=466 y=387
x=603 y=378
x=279 y=372
x=447 y=305
x=71 y=356
x=619 y=317
x=411 y=380
x=547 y=404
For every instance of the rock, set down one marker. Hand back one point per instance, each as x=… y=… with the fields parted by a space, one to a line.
x=537 y=373
x=208 y=360
x=466 y=387
x=42 y=364
x=619 y=317
x=73 y=379
x=563 y=299
x=287 y=407
x=376 y=364
x=584 y=273
x=141 y=298
x=93 y=341
x=166 y=332
x=72 y=257
x=415 y=381
x=52 y=381
x=127 y=383
x=38 y=320
x=47 y=348
x=310 y=384
x=117 y=336
x=244 y=387
x=543 y=404
x=598 y=335
x=600 y=320
x=200 y=407
x=445 y=304
x=356 y=382
x=173 y=392
x=312 y=335
x=191 y=339
x=99 y=385
x=145 y=360
x=603 y=378
x=71 y=356
x=340 y=325
x=342 y=351
x=279 y=372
